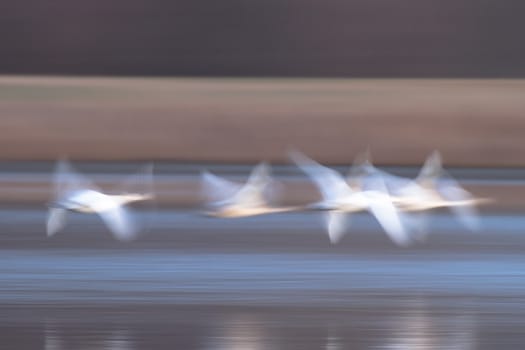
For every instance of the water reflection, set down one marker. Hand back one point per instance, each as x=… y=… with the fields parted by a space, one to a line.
x=420 y=329
x=416 y=326
x=333 y=342
x=238 y=332
x=57 y=338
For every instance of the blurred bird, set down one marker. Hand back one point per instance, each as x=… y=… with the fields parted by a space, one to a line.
x=73 y=192
x=228 y=199
x=432 y=188
x=339 y=199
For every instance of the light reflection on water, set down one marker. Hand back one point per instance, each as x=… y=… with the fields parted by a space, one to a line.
x=238 y=332
x=459 y=293
x=415 y=328
x=116 y=340
x=160 y=300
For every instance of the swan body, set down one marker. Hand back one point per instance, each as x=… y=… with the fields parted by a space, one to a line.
x=227 y=199
x=75 y=193
x=339 y=199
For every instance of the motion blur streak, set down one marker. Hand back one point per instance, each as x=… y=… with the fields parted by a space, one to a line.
x=272 y=281
x=472 y=122
x=261 y=282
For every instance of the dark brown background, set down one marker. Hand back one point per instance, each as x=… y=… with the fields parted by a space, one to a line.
x=473 y=120
x=379 y=38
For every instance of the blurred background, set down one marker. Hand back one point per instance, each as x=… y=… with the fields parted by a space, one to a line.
x=222 y=85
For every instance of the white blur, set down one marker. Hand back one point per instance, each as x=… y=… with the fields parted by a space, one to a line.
x=400 y=205
x=227 y=199
x=74 y=192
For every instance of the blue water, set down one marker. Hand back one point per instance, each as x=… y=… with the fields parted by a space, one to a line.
x=260 y=283
x=161 y=276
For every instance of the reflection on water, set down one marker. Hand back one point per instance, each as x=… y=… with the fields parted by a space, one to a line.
x=412 y=327
x=238 y=332
x=333 y=342
x=60 y=339
x=458 y=293
x=418 y=329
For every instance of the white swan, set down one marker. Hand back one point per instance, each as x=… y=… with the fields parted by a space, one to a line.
x=432 y=188
x=73 y=192
x=228 y=199
x=339 y=199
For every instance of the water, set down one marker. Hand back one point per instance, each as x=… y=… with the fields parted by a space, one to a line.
x=261 y=283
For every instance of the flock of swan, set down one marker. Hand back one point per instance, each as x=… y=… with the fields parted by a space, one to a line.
x=399 y=204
